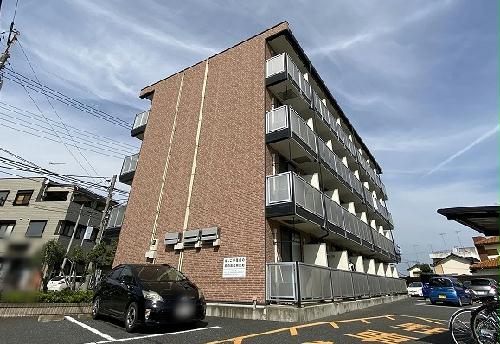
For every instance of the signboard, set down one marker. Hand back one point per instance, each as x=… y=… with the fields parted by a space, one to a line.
x=88 y=233
x=234 y=267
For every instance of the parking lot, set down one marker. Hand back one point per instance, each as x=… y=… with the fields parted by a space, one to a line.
x=408 y=321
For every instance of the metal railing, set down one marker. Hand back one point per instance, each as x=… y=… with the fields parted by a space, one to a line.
x=129 y=164
x=283 y=63
x=116 y=216
x=298 y=282
x=141 y=119
x=336 y=164
x=285 y=116
x=279 y=189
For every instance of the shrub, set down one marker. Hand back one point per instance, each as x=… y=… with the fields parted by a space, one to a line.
x=63 y=296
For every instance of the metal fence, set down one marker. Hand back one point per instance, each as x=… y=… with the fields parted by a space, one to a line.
x=129 y=163
x=141 y=119
x=299 y=282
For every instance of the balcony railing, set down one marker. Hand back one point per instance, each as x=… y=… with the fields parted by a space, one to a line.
x=129 y=164
x=335 y=164
x=283 y=64
x=289 y=187
x=141 y=119
x=285 y=117
x=296 y=282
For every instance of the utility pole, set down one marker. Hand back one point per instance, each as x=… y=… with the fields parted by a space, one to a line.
x=10 y=40
x=104 y=219
x=71 y=240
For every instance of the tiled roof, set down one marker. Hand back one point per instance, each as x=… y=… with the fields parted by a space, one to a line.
x=487 y=241
x=487 y=264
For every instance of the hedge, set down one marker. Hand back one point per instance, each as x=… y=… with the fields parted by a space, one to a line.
x=63 y=296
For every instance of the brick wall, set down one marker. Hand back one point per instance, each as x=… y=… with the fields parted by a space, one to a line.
x=232 y=162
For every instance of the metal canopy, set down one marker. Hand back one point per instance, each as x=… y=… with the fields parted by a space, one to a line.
x=483 y=219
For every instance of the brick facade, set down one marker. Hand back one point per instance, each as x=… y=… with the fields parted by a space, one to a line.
x=232 y=160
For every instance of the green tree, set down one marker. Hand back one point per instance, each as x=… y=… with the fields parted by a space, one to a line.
x=50 y=255
x=425 y=268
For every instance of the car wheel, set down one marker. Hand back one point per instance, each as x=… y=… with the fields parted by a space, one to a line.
x=96 y=305
x=131 y=318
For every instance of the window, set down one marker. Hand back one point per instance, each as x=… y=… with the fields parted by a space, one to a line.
x=415 y=285
x=23 y=197
x=155 y=273
x=56 y=196
x=290 y=246
x=65 y=228
x=127 y=276
x=6 y=228
x=80 y=232
x=3 y=196
x=115 y=274
x=35 y=228
x=440 y=282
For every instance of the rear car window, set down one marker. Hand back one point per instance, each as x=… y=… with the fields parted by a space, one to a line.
x=480 y=282
x=58 y=278
x=162 y=273
x=415 y=284
x=440 y=282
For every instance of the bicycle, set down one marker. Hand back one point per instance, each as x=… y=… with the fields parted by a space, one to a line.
x=479 y=325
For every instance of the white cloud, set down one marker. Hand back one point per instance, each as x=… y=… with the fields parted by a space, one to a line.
x=471 y=145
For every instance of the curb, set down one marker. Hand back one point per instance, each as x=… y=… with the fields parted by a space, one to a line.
x=43 y=309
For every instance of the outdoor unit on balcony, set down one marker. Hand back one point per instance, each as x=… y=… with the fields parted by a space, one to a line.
x=172 y=239
x=191 y=238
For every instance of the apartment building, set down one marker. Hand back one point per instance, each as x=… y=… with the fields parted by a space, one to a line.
x=36 y=210
x=253 y=181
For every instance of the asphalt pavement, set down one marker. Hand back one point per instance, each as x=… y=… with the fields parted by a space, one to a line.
x=407 y=321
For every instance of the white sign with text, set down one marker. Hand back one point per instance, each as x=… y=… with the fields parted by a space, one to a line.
x=234 y=267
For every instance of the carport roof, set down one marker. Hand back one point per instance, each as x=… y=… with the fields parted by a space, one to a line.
x=483 y=219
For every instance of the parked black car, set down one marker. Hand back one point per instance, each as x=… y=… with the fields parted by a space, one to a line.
x=148 y=294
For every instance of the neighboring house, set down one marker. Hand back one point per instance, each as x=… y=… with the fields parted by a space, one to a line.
x=248 y=161
x=414 y=271
x=488 y=250
x=466 y=252
x=453 y=265
x=36 y=210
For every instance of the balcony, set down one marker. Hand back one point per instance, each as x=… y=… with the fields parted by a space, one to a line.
x=371 y=175
x=296 y=282
x=128 y=169
x=293 y=201
x=289 y=134
x=286 y=81
x=376 y=209
x=139 y=126
x=334 y=165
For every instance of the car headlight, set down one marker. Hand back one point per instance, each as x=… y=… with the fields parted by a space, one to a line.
x=200 y=294
x=152 y=295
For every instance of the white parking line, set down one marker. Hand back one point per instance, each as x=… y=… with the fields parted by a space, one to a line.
x=91 y=329
x=153 y=335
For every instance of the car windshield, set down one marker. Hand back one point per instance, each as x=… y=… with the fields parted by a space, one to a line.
x=58 y=278
x=159 y=274
x=415 y=284
x=440 y=282
x=480 y=282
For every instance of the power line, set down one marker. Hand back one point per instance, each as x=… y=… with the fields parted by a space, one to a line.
x=67 y=100
x=93 y=144
x=30 y=114
x=57 y=114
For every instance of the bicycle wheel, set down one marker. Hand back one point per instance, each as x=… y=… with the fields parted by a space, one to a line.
x=460 y=327
x=484 y=324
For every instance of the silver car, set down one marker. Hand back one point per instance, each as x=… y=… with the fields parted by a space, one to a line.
x=482 y=287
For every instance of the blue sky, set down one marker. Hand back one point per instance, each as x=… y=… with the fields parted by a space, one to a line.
x=418 y=79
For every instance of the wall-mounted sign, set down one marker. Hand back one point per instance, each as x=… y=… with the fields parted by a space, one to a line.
x=234 y=267
x=88 y=233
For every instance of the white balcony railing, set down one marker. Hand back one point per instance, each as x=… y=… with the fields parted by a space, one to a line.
x=279 y=190
x=286 y=117
x=141 y=119
x=129 y=164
